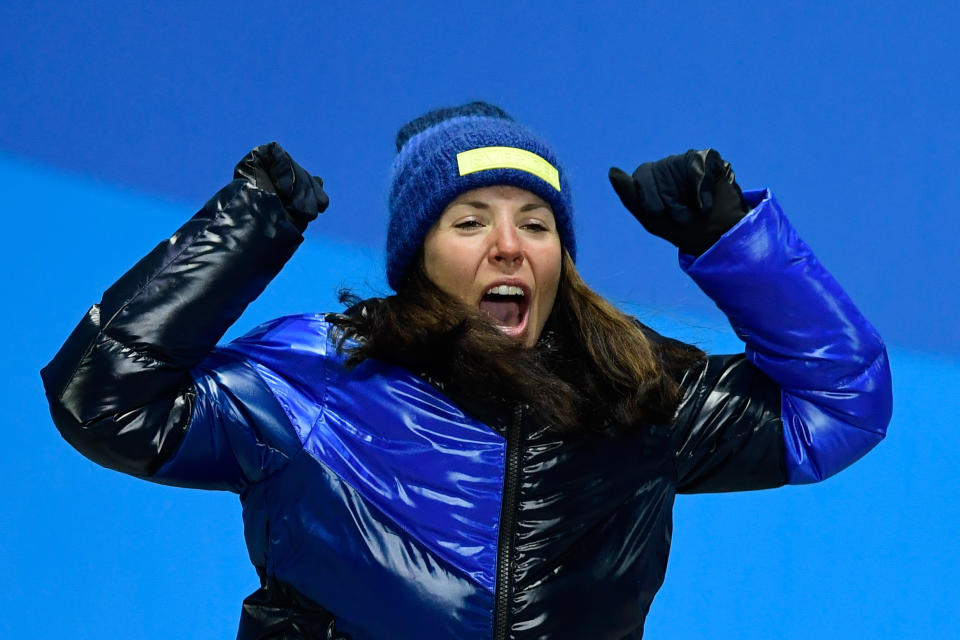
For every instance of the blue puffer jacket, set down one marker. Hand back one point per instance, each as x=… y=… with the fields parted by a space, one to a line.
x=372 y=497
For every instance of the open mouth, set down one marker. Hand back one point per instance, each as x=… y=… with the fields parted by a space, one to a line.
x=507 y=305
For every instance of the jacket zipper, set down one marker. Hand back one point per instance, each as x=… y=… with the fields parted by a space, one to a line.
x=508 y=516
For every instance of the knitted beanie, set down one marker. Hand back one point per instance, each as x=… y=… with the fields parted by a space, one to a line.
x=448 y=151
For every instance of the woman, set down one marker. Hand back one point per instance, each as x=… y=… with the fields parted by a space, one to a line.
x=494 y=450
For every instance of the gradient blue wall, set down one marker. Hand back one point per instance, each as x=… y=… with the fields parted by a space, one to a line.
x=116 y=122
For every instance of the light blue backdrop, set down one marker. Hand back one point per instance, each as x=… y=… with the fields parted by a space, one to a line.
x=117 y=121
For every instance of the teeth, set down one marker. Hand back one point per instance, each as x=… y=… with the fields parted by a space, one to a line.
x=505 y=290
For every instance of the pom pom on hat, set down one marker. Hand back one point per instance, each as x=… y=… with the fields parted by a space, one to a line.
x=448 y=151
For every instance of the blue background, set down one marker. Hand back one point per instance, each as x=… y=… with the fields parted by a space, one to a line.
x=117 y=121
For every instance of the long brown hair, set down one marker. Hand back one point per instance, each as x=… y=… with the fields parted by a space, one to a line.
x=592 y=366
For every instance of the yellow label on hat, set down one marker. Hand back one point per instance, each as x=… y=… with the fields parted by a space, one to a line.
x=486 y=158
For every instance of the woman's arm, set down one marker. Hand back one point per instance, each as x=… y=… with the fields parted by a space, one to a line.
x=803 y=331
x=815 y=372
x=120 y=388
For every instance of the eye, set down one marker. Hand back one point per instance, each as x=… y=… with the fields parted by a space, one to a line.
x=468 y=224
x=535 y=226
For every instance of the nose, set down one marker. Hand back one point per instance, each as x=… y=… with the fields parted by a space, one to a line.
x=506 y=248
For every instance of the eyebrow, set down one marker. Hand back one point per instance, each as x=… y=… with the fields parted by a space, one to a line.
x=534 y=205
x=530 y=206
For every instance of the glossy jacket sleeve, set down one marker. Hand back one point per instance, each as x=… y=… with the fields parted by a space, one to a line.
x=728 y=434
x=805 y=334
x=120 y=389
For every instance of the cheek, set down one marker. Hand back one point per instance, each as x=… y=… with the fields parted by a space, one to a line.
x=548 y=277
x=550 y=261
x=549 y=298
x=447 y=266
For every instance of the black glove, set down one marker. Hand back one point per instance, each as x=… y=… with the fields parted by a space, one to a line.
x=270 y=168
x=690 y=199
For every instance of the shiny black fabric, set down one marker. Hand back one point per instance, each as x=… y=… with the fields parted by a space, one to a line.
x=594 y=513
x=277 y=611
x=119 y=388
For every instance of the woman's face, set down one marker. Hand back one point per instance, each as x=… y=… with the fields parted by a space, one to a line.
x=496 y=249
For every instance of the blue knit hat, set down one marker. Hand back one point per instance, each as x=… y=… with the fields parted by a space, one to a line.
x=449 y=151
